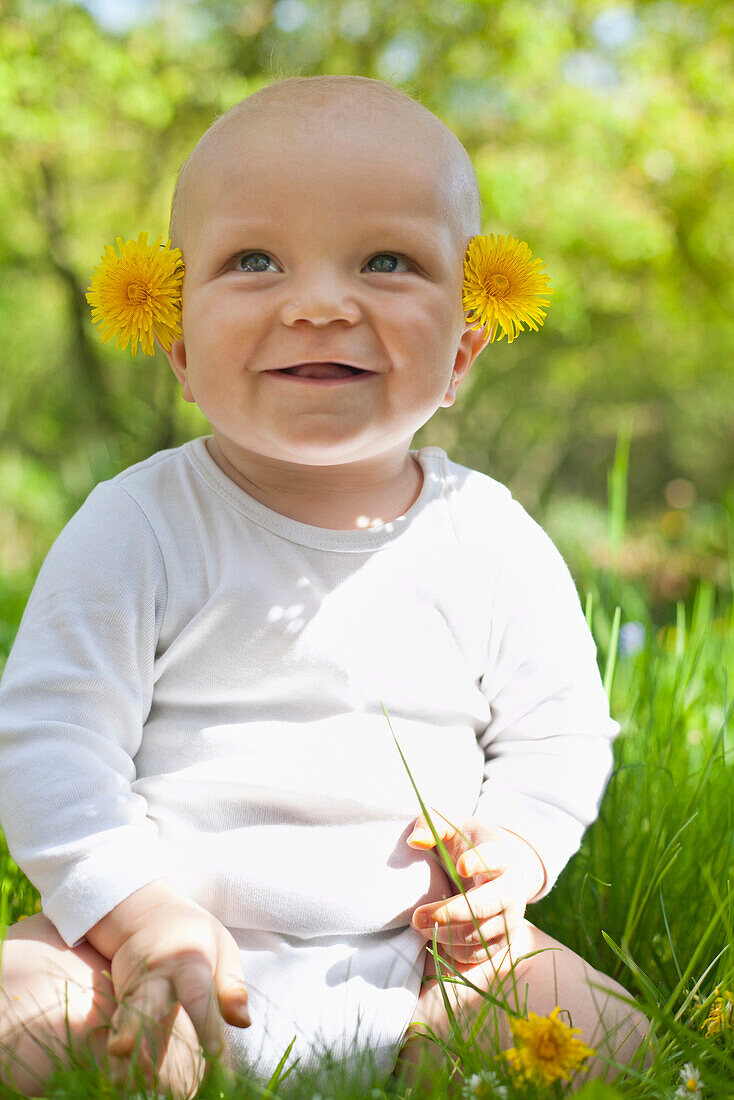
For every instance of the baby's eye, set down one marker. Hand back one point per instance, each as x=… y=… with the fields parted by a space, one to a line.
x=259 y=257
x=381 y=256
x=262 y=260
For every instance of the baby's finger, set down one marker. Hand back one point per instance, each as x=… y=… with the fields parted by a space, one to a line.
x=448 y=935
x=121 y=1069
x=197 y=993
x=230 y=982
x=488 y=858
x=458 y=937
x=422 y=837
x=138 y=1011
x=480 y=903
x=502 y=925
x=463 y=953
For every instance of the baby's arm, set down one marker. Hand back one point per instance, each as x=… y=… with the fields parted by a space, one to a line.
x=165 y=950
x=75 y=694
x=548 y=744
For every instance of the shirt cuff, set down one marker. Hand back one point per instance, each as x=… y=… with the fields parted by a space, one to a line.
x=553 y=834
x=96 y=885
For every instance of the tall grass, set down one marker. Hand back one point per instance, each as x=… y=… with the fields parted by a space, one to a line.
x=648 y=899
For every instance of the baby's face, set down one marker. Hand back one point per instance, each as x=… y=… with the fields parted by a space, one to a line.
x=332 y=243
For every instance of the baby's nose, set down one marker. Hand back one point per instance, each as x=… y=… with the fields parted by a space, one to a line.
x=321 y=299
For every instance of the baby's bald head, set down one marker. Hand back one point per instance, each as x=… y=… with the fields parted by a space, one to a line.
x=337 y=102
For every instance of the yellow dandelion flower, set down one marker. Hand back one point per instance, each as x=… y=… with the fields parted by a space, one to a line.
x=546 y=1048
x=500 y=286
x=138 y=294
x=720 y=1013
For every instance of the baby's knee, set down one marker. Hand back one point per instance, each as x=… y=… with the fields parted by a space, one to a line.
x=603 y=1011
x=49 y=993
x=56 y=1001
x=622 y=1034
x=634 y=1040
x=40 y=974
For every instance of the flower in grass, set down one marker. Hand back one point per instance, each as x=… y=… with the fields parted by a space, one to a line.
x=631 y=639
x=690 y=1082
x=720 y=1013
x=137 y=294
x=501 y=283
x=484 y=1085
x=546 y=1048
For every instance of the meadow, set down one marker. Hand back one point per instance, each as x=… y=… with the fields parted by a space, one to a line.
x=601 y=134
x=648 y=898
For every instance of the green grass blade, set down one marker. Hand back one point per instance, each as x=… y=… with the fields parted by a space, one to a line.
x=441 y=847
x=612 y=652
x=630 y=962
x=703 y=940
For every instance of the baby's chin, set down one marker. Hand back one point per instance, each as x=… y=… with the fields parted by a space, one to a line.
x=313 y=451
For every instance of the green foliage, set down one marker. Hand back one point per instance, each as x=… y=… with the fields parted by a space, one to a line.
x=624 y=189
x=611 y=160
x=598 y=1090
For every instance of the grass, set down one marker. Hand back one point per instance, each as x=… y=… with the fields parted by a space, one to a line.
x=648 y=899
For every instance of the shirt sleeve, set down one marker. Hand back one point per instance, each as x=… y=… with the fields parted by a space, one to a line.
x=74 y=696
x=548 y=745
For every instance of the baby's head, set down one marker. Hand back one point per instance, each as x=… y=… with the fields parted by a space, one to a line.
x=324 y=219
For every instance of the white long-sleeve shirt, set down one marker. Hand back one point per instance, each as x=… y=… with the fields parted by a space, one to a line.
x=195 y=694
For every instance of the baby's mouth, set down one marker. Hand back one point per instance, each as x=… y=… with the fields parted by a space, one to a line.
x=321 y=370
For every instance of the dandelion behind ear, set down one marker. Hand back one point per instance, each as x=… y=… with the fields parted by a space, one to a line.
x=501 y=283
x=137 y=295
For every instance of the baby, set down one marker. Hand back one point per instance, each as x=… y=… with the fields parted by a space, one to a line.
x=198 y=774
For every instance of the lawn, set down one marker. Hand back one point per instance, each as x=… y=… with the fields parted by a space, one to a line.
x=649 y=897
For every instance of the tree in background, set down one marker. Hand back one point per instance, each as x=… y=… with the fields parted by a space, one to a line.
x=603 y=136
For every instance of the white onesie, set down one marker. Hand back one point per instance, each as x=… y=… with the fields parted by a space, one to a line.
x=195 y=693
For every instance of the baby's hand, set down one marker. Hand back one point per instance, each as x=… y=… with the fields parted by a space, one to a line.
x=504 y=872
x=182 y=954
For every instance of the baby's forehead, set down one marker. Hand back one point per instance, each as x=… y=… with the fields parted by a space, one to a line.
x=386 y=161
x=368 y=180
x=393 y=155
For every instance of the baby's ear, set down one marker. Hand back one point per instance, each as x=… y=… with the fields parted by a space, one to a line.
x=177 y=359
x=472 y=342
x=481 y=336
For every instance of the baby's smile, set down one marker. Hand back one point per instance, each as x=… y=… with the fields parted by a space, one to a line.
x=323 y=374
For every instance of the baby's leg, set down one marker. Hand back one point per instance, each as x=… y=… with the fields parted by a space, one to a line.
x=555 y=977
x=37 y=969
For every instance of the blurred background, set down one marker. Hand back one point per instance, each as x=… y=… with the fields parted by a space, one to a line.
x=602 y=134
